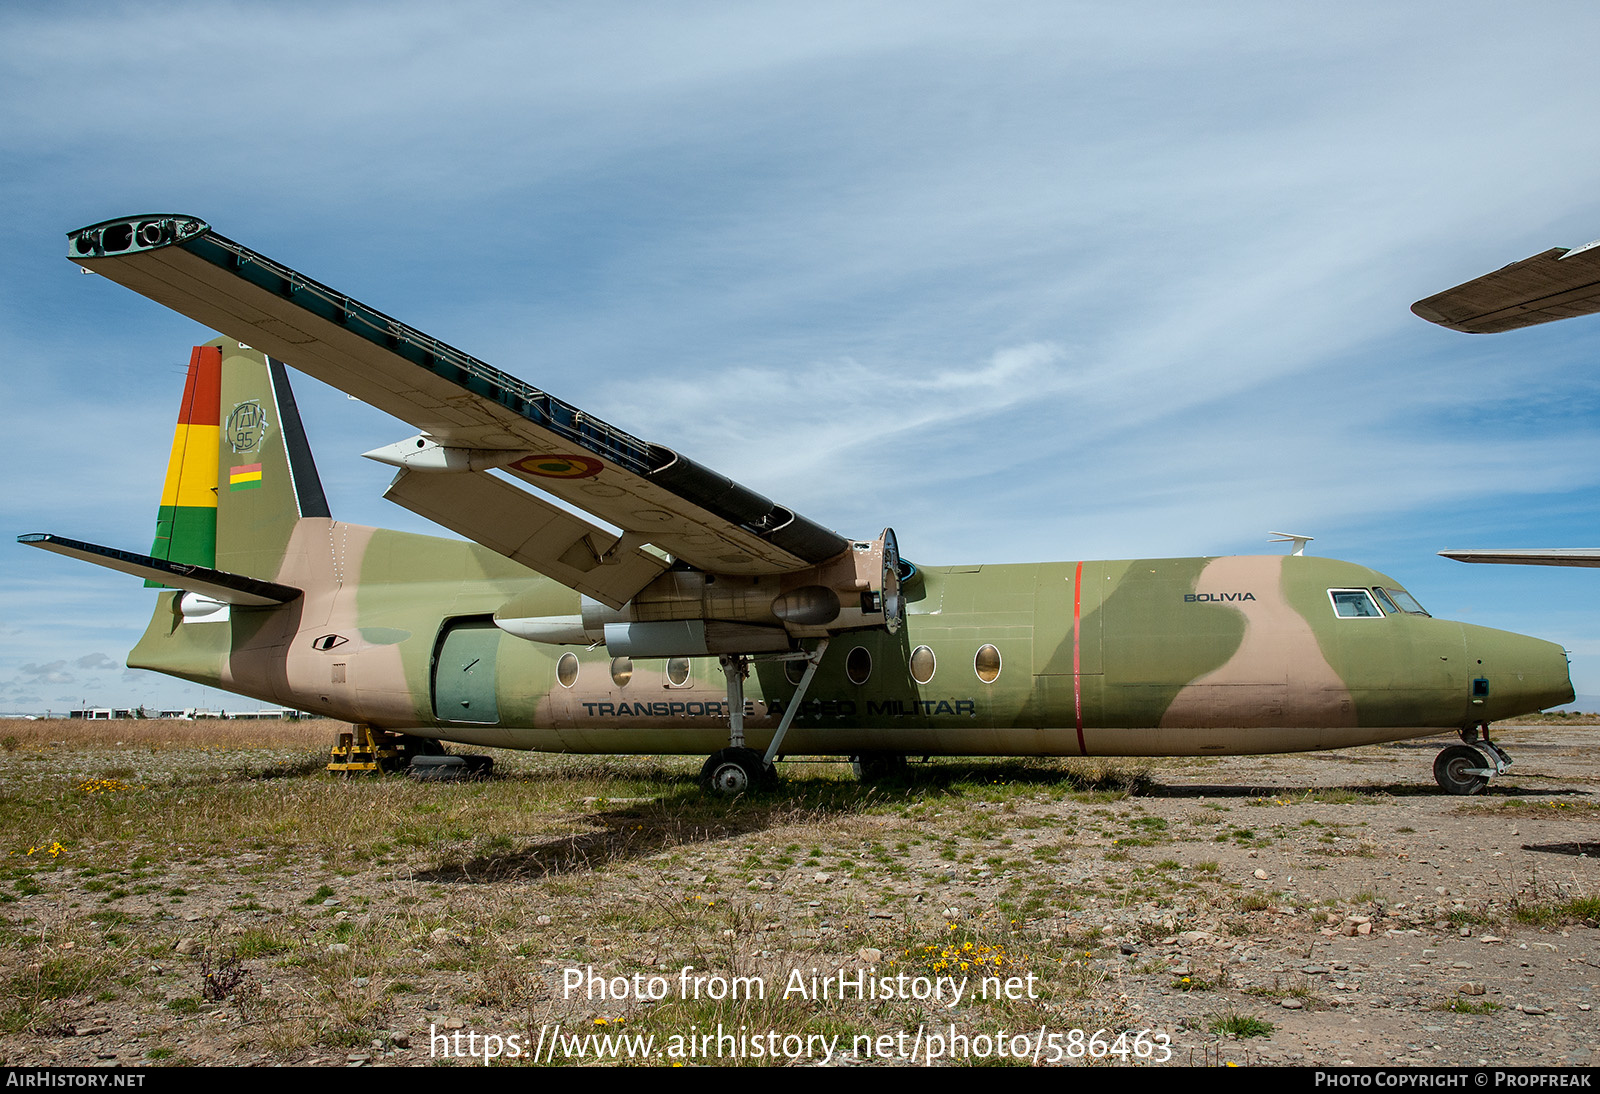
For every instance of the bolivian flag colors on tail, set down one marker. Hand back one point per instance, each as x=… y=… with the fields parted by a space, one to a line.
x=186 y=524
x=245 y=476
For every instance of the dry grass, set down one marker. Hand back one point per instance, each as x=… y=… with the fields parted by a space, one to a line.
x=79 y=733
x=352 y=908
x=359 y=911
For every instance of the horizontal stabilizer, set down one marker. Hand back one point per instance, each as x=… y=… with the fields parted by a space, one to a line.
x=531 y=531
x=1532 y=556
x=246 y=592
x=1558 y=284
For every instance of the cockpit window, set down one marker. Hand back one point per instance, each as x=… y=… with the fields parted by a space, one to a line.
x=1405 y=600
x=1388 y=605
x=1354 y=604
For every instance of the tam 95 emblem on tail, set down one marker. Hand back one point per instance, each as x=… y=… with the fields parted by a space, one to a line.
x=247 y=427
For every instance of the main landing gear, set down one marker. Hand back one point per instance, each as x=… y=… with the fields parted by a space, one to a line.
x=873 y=767
x=1467 y=768
x=736 y=769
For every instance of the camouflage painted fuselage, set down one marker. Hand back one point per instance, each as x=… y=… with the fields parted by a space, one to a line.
x=1195 y=656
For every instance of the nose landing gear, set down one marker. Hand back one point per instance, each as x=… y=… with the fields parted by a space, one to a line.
x=1467 y=768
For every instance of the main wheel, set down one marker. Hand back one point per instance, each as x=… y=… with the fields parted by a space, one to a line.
x=871 y=767
x=732 y=772
x=411 y=747
x=1456 y=770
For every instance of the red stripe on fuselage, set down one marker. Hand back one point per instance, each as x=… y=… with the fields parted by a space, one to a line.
x=1077 y=676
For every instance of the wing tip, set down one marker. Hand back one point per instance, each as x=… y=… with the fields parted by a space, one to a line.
x=132 y=234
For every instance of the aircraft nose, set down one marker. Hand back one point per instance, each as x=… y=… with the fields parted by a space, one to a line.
x=1512 y=674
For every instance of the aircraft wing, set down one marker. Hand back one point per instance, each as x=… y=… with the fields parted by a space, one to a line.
x=1558 y=284
x=1524 y=556
x=472 y=418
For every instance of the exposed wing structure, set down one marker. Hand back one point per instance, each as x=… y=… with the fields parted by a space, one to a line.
x=1553 y=556
x=531 y=531
x=473 y=418
x=218 y=585
x=1558 y=284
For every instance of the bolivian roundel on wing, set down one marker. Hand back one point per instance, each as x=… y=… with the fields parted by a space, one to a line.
x=559 y=467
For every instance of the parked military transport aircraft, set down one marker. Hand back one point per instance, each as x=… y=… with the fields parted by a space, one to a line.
x=550 y=632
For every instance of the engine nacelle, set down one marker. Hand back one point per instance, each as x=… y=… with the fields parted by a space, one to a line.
x=686 y=613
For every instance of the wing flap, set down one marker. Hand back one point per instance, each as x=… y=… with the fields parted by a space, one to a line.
x=1556 y=284
x=531 y=531
x=687 y=510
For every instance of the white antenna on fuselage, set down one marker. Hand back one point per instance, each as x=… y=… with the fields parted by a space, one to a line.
x=1295 y=538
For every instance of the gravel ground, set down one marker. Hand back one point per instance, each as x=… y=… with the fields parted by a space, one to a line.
x=1336 y=897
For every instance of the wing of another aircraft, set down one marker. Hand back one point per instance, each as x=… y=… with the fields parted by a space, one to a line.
x=1558 y=284
x=473 y=418
x=1532 y=556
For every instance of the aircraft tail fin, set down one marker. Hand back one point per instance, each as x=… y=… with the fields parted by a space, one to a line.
x=240 y=472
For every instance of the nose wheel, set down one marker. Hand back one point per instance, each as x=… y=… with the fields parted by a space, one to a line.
x=1461 y=769
x=1467 y=768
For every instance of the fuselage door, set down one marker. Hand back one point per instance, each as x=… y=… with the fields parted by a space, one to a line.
x=463 y=672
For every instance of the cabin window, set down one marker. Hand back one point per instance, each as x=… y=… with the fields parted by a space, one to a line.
x=567 y=669
x=858 y=666
x=793 y=671
x=923 y=664
x=1406 y=602
x=1354 y=604
x=677 y=671
x=621 y=671
x=987 y=664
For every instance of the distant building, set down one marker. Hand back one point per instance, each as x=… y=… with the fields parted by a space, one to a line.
x=190 y=714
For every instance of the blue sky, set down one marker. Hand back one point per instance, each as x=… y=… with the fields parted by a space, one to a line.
x=1025 y=281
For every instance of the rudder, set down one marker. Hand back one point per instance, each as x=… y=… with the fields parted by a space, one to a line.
x=266 y=478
